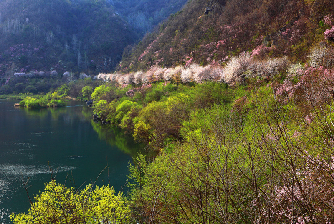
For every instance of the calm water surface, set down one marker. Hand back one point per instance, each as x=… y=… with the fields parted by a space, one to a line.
x=35 y=145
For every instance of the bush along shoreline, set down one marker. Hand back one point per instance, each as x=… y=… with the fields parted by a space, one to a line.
x=49 y=100
x=75 y=90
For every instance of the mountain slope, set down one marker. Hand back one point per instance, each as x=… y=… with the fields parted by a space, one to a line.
x=61 y=35
x=274 y=27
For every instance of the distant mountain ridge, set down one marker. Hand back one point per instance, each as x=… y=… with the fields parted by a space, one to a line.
x=62 y=35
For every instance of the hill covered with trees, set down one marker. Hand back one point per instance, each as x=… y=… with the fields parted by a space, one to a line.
x=61 y=35
x=211 y=32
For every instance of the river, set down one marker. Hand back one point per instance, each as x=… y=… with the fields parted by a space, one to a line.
x=61 y=143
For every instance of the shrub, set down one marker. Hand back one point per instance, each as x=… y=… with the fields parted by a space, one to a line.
x=30 y=102
x=138 y=77
x=309 y=198
x=86 y=92
x=313 y=89
x=208 y=73
x=236 y=67
x=59 y=204
x=245 y=66
x=329 y=34
x=123 y=108
x=321 y=55
x=101 y=108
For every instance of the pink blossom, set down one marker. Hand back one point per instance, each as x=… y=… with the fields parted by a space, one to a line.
x=329 y=34
x=328 y=20
x=189 y=62
x=308 y=119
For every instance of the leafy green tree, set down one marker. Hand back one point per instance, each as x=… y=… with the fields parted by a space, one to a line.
x=86 y=92
x=59 y=204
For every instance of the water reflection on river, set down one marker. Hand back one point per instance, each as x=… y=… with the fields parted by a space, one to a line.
x=61 y=143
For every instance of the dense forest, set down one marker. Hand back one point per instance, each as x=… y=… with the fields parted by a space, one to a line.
x=234 y=101
x=61 y=35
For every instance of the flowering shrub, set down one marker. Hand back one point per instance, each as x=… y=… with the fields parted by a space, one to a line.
x=321 y=55
x=236 y=67
x=328 y=20
x=138 y=77
x=172 y=72
x=130 y=93
x=159 y=74
x=261 y=51
x=245 y=66
x=105 y=77
x=315 y=86
x=168 y=74
x=329 y=34
x=309 y=197
x=128 y=78
x=187 y=75
x=295 y=69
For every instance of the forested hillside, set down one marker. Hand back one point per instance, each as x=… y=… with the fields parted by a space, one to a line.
x=61 y=35
x=211 y=32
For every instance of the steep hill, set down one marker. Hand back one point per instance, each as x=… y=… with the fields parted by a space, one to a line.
x=210 y=32
x=61 y=35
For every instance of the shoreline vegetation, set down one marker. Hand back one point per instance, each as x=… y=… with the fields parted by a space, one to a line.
x=48 y=100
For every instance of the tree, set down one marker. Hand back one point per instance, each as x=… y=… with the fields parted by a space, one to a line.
x=86 y=92
x=59 y=204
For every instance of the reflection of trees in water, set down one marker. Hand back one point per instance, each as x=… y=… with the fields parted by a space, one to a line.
x=36 y=112
x=87 y=112
x=116 y=137
x=77 y=110
x=43 y=112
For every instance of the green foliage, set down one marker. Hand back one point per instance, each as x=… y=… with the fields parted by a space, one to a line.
x=59 y=204
x=123 y=108
x=155 y=114
x=158 y=91
x=30 y=102
x=101 y=108
x=48 y=100
x=63 y=90
x=100 y=92
x=234 y=152
x=232 y=160
x=86 y=92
